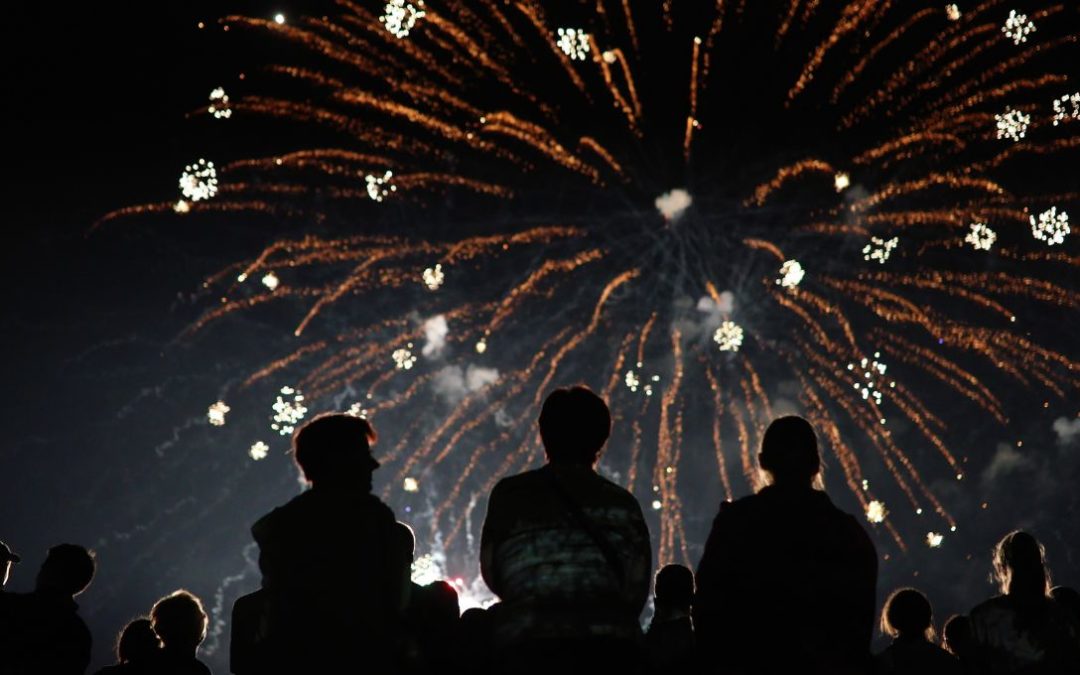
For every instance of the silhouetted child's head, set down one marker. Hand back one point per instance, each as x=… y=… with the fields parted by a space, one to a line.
x=138 y=642
x=335 y=449
x=1067 y=598
x=674 y=588
x=907 y=614
x=574 y=425
x=68 y=569
x=180 y=621
x=1019 y=565
x=957 y=634
x=789 y=451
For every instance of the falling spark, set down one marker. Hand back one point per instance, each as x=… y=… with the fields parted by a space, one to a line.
x=199 y=181
x=258 y=450
x=219 y=104
x=279 y=18
x=841 y=181
x=1068 y=106
x=288 y=409
x=574 y=42
x=728 y=337
x=357 y=410
x=791 y=274
x=934 y=539
x=378 y=187
x=952 y=12
x=182 y=206
x=410 y=484
x=1013 y=124
x=481 y=346
x=1018 y=27
x=434 y=277
x=876 y=512
x=981 y=237
x=404 y=359
x=271 y=281
x=400 y=16
x=657 y=505
x=1051 y=226
x=868 y=377
x=215 y=414
x=879 y=249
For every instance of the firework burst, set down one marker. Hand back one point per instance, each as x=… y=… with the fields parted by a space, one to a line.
x=617 y=200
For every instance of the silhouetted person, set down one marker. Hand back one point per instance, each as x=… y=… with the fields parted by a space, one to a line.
x=248 y=645
x=431 y=616
x=7 y=560
x=567 y=552
x=1023 y=630
x=670 y=637
x=472 y=653
x=137 y=650
x=1068 y=598
x=331 y=570
x=958 y=641
x=180 y=621
x=908 y=619
x=42 y=631
x=787 y=581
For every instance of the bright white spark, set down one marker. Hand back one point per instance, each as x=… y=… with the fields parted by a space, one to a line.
x=869 y=383
x=219 y=104
x=672 y=205
x=632 y=380
x=481 y=345
x=400 y=16
x=981 y=237
x=609 y=57
x=657 y=505
x=357 y=410
x=258 y=450
x=404 y=359
x=434 y=277
x=1012 y=124
x=574 y=42
x=411 y=484
x=876 y=511
x=379 y=187
x=879 y=249
x=215 y=414
x=288 y=409
x=729 y=337
x=271 y=281
x=181 y=206
x=1051 y=227
x=952 y=12
x=426 y=570
x=1018 y=27
x=199 y=181
x=1065 y=107
x=279 y=18
x=841 y=181
x=791 y=274
x=934 y=539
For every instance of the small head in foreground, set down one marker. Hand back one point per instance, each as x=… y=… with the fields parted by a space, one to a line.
x=7 y=559
x=180 y=621
x=334 y=449
x=1020 y=565
x=1068 y=598
x=68 y=570
x=957 y=634
x=137 y=642
x=789 y=452
x=574 y=425
x=674 y=588
x=907 y=614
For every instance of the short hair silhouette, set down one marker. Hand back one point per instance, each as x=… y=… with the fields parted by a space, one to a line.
x=574 y=425
x=179 y=620
x=1019 y=565
x=333 y=443
x=137 y=642
x=789 y=450
x=674 y=586
x=957 y=634
x=907 y=613
x=68 y=568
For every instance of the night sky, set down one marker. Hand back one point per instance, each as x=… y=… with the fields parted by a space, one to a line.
x=104 y=407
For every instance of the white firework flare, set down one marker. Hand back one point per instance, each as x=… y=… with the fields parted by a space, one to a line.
x=876 y=511
x=271 y=281
x=399 y=17
x=433 y=277
x=952 y=12
x=1018 y=27
x=404 y=359
x=357 y=410
x=1012 y=124
x=1067 y=107
x=378 y=187
x=1051 y=226
x=410 y=484
x=791 y=274
x=934 y=539
x=219 y=104
x=879 y=249
x=181 y=206
x=258 y=450
x=841 y=181
x=981 y=237
x=728 y=337
x=199 y=181
x=288 y=409
x=426 y=570
x=869 y=378
x=215 y=414
x=574 y=42
x=635 y=381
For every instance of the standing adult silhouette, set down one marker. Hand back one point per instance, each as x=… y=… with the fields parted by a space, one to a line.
x=332 y=570
x=786 y=583
x=567 y=551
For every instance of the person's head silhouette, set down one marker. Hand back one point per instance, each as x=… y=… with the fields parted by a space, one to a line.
x=406 y=539
x=957 y=634
x=137 y=642
x=334 y=450
x=789 y=452
x=574 y=425
x=68 y=570
x=180 y=621
x=907 y=614
x=674 y=588
x=1019 y=565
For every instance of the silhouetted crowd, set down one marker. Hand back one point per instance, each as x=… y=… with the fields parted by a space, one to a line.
x=786 y=583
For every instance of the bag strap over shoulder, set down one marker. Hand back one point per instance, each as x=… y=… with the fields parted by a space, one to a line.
x=586 y=524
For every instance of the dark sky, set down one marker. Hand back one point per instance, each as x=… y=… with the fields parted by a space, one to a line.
x=95 y=97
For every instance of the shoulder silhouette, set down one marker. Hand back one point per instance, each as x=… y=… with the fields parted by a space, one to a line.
x=909 y=620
